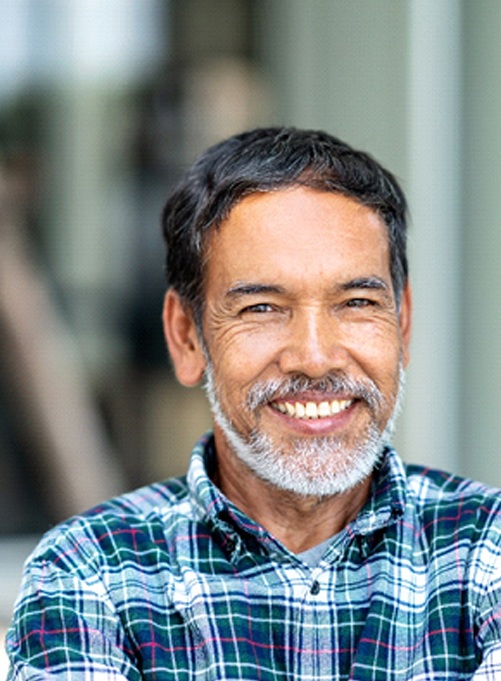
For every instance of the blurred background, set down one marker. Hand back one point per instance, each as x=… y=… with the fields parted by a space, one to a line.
x=103 y=103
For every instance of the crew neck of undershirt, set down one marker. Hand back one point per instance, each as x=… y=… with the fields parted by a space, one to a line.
x=313 y=556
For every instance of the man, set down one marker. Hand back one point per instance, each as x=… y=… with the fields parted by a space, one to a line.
x=299 y=546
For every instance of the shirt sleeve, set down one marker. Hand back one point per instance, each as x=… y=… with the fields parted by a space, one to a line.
x=65 y=626
x=485 y=578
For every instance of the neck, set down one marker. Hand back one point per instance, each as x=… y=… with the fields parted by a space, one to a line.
x=298 y=522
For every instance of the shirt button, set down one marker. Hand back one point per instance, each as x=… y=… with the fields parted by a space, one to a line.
x=315 y=588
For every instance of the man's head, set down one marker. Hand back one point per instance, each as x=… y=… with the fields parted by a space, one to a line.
x=264 y=160
x=288 y=291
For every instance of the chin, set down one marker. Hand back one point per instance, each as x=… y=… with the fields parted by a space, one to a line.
x=317 y=467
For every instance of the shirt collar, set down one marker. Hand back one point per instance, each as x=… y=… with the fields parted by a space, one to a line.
x=384 y=507
x=387 y=500
x=211 y=504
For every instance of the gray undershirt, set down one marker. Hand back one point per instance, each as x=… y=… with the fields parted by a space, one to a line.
x=313 y=556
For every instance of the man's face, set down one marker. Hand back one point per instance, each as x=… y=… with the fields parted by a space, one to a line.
x=303 y=338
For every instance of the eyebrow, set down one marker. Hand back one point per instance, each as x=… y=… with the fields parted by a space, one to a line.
x=248 y=289
x=373 y=283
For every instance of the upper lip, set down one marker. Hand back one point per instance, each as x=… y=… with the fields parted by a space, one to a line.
x=312 y=396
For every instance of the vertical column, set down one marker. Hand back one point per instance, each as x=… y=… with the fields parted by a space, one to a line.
x=341 y=66
x=90 y=71
x=431 y=425
x=481 y=396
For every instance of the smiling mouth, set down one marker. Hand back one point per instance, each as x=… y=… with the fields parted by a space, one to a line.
x=312 y=410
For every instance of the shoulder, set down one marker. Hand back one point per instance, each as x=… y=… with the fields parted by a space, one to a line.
x=455 y=505
x=123 y=528
x=433 y=486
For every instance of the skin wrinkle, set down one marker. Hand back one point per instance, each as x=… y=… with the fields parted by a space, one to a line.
x=310 y=312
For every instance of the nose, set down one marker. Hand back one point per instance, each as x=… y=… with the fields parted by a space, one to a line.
x=313 y=346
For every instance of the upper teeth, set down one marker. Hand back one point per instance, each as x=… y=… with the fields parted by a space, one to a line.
x=312 y=410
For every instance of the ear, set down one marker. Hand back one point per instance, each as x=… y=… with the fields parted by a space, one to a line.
x=406 y=322
x=182 y=340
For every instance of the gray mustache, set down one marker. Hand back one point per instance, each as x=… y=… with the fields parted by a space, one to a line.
x=267 y=391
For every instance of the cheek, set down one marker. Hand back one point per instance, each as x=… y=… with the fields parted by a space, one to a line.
x=378 y=353
x=240 y=357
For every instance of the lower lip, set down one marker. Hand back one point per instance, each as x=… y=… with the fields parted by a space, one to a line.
x=320 y=426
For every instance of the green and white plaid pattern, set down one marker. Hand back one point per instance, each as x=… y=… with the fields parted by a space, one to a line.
x=173 y=582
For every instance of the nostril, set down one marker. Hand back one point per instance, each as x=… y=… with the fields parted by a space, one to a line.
x=312 y=360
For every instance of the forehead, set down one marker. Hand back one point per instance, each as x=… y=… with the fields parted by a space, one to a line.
x=302 y=231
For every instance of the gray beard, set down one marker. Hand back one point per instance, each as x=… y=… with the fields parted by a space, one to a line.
x=317 y=466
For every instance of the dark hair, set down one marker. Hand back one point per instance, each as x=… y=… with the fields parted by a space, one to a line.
x=262 y=160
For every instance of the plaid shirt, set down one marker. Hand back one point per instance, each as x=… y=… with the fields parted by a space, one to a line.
x=174 y=582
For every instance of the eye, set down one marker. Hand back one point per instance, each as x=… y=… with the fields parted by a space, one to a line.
x=258 y=308
x=360 y=302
